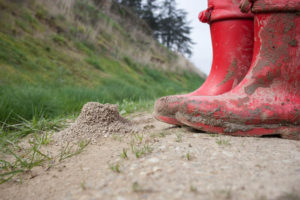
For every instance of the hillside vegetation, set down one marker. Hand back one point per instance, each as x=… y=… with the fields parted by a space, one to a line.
x=57 y=55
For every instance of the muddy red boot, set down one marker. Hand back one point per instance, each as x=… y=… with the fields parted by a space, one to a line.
x=267 y=101
x=232 y=41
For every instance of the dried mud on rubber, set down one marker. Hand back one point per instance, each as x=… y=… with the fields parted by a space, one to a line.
x=147 y=159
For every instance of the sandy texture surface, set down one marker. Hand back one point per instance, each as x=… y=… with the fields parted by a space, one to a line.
x=95 y=120
x=172 y=163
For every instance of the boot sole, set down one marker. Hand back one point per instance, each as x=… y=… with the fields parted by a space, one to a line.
x=284 y=131
x=167 y=119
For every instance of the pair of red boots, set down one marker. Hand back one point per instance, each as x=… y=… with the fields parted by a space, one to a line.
x=253 y=88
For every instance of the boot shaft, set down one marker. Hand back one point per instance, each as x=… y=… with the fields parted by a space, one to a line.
x=232 y=42
x=276 y=56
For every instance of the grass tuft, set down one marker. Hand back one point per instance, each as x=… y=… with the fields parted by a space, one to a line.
x=188 y=156
x=178 y=137
x=193 y=189
x=94 y=62
x=136 y=187
x=138 y=148
x=22 y=159
x=69 y=150
x=223 y=142
x=21 y=162
x=115 y=167
x=213 y=135
x=124 y=154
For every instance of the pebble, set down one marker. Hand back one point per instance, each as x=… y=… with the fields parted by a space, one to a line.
x=228 y=154
x=121 y=198
x=162 y=148
x=153 y=160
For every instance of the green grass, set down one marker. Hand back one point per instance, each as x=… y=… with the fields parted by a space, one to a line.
x=139 y=146
x=137 y=188
x=193 y=189
x=55 y=84
x=60 y=40
x=51 y=65
x=124 y=154
x=55 y=72
x=69 y=151
x=188 y=156
x=115 y=167
x=94 y=62
x=140 y=151
x=39 y=126
x=223 y=142
x=178 y=137
x=20 y=160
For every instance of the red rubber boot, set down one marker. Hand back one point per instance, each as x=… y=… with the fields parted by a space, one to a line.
x=267 y=101
x=232 y=40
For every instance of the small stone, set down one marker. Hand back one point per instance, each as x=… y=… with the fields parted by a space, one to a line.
x=120 y=198
x=153 y=160
x=143 y=173
x=155 y=169
x=162 y=148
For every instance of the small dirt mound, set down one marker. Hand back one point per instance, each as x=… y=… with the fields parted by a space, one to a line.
x=94 y=121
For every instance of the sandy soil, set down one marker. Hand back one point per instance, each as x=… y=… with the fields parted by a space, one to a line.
x=179 y=163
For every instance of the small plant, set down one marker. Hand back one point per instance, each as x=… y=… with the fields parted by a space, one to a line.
x=225 y=194
x=223 y=142
x=162 y=134
x=60 y=40
x=155 y=135
x=139 y=138
x=188 y=156
x=141 y=151
x=65 y=152
x=23 y=161
x=127 y=106
x=290 y=196
x=68 y=151
x=115 y=167
x=124 y=154
x=95 y=62
x=82 y=185
x=178 y=137
x=136 y=187
x=132 y=145
x=213 y=135
x=37 y=126
x=228 y=194
x=193 y=189
x=44 y=139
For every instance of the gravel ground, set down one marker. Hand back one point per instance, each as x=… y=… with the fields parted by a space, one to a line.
x=167 y=162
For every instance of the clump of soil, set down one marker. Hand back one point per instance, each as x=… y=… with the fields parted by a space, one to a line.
x=96 y=120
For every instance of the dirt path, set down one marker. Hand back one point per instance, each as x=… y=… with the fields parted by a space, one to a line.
x=173 y=163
